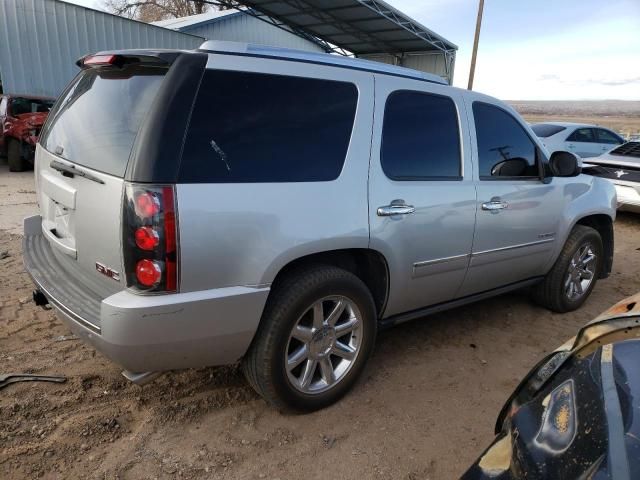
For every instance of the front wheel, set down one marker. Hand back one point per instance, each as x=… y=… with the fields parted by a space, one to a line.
x=572 y=278
x=314 y=340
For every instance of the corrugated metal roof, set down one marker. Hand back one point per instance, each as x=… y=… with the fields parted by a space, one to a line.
x=364 y=28
x=200 y=19
x=40 y=40
x=358 y=26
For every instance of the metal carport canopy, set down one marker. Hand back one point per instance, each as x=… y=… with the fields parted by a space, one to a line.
x=356 y=26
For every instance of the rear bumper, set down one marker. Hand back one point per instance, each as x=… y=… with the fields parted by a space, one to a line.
x=148 y=333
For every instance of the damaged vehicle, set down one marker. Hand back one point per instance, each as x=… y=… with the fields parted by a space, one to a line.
x=21 y=119
x=187 y=218
x=621 y=166
x=577 y=413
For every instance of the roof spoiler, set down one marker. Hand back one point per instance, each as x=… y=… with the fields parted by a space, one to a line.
x=120 y=58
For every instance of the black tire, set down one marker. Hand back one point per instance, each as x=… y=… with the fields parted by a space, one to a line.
x=551 y=293
x=264 y=365
x=14 y=156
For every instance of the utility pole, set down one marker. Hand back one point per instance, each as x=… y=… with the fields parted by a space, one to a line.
x=475 y=45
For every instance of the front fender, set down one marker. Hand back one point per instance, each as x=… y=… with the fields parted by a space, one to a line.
x=583 y=196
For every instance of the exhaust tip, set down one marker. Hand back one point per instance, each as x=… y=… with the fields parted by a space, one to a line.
x=39 y=299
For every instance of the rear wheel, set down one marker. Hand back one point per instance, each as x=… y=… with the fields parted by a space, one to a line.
x=572 y=278
x=14 y=156
x=315 y=337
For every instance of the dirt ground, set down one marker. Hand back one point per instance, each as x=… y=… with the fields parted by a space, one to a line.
x=425 y=408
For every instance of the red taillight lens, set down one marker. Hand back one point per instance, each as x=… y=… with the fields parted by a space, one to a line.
x=171 y=258
x=150 y=238
x=100 y=60
x=147 y=204
x=148 y=272
x=147 y=238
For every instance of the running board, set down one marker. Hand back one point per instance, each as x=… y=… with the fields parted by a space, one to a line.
x=458 y=302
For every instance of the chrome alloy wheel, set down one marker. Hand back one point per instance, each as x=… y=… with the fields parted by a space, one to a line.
x=324 y=344
x=580 y=272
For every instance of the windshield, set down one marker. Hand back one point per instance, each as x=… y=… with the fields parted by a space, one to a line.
x=96 y=120
x=20 y=105
x=544 y=130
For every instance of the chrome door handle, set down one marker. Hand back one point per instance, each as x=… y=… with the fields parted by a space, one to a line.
x=494 y=205
x=395 y=209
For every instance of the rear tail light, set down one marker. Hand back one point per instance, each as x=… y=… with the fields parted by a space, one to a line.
x=96 y=60
x=150 y=238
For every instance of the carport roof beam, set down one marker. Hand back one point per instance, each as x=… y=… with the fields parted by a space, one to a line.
x=357 y=27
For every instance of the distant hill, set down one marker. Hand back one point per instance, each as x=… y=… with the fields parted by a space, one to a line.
x=599 y=108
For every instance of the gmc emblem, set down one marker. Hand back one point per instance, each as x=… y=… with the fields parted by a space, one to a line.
x=107 y=271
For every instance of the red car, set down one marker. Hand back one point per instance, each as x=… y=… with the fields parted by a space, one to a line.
x=21 y=118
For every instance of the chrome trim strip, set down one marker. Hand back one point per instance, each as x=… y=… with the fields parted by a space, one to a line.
x=513 y=247
x=55 y=303
x=617 y=451
x=437 y=261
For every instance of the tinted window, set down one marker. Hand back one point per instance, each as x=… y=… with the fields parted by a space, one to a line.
x=504 y=148
x=544 y=130
x=420 y=137
x=254 y=127
x=581 y=135
x=96 y=120
x=605 y=136
x=20 y=105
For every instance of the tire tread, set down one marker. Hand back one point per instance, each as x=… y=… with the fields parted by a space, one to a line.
x=257 y=363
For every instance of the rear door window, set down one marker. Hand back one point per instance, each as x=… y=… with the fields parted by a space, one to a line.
x=605 y=136
x=253 y=127
x=420 y=137
x=96 y=120
x=545 y=130
x=584 y=135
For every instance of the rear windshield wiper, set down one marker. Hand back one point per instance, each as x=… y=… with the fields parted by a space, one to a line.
x=70 y=171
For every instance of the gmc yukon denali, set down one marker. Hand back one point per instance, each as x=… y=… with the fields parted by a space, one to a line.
x=240 y=203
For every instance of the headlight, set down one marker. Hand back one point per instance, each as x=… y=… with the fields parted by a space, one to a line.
x=559 y=419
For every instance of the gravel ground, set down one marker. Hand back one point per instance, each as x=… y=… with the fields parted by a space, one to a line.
x=17 y=197
x=424 y=409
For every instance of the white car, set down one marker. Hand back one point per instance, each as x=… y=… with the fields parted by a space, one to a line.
x=580 y=138
x=622 y=167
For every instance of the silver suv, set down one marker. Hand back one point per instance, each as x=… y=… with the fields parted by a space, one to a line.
x=275 y=208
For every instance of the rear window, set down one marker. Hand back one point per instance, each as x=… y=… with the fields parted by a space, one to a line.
x=21 y=105
x=95 y=121
x=255 y=127
x=544 y=130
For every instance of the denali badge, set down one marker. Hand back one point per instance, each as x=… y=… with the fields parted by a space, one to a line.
x=107 y=271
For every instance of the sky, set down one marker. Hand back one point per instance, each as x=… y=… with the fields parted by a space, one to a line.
x=537 y=50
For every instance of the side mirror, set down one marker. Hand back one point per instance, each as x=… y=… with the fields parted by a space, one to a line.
x=565 y=164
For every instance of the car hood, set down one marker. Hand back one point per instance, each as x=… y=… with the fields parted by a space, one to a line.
x=612 y=160
x=584 y=422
